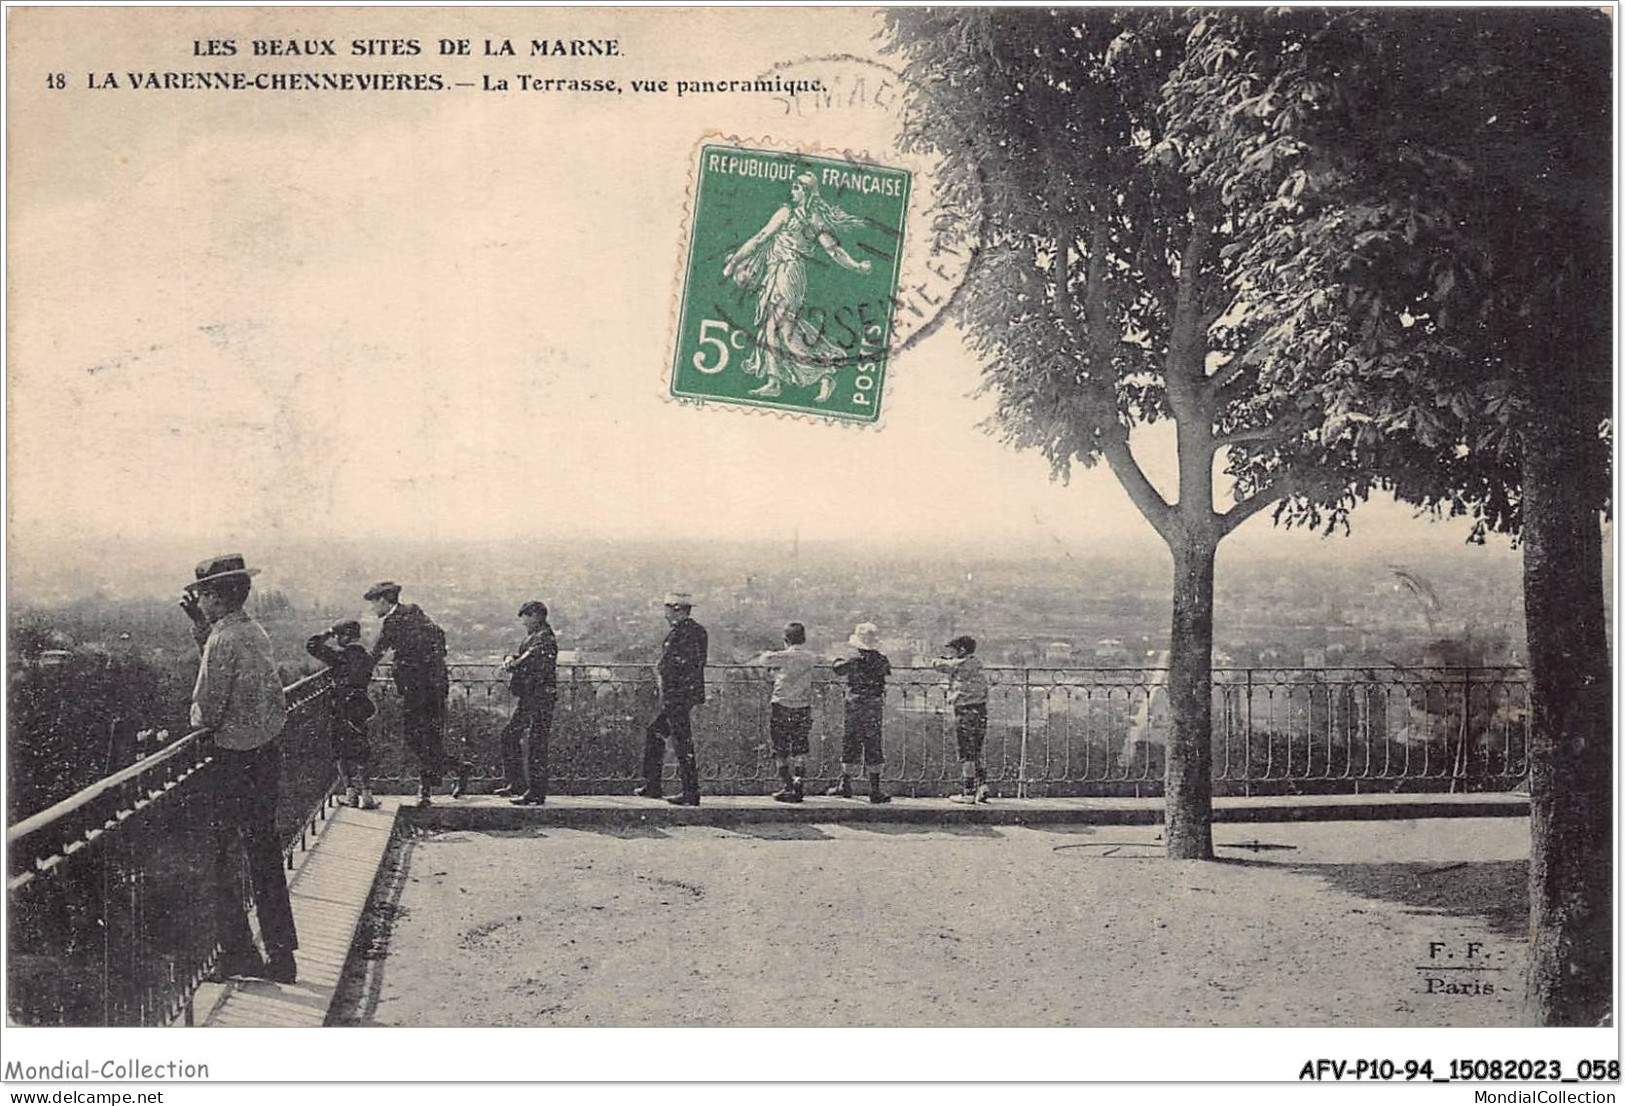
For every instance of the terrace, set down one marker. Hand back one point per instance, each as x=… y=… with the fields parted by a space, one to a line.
x=107 y=927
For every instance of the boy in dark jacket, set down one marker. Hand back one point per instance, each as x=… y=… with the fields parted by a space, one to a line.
x=534 y=681
x=967 y=694
x=865 y=674
x=340 y=648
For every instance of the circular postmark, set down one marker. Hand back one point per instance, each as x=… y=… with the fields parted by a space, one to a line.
x=821 y=247
x=856 y=107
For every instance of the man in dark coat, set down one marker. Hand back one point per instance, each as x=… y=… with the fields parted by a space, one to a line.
x=419 y=648
x=534 y=680
x=682 y=688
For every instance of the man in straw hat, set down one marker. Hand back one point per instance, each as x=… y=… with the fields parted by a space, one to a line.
x=238 y=698
x=419 y=655
x=682 y=688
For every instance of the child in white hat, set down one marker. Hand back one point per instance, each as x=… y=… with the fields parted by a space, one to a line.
x=865 y=674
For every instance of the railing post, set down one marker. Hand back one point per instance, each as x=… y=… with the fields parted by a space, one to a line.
x=1247 y=742
x=1458 y=772
x=1026 y=725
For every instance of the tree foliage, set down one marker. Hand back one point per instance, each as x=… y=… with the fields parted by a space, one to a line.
x=1423 y=224
x=1114 y=288
x=58 y=722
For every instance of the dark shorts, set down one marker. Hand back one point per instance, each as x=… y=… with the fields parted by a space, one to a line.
x=970 y=725
x=351 y=711
x=350 y=741
x=860 y=744
x=789 y=728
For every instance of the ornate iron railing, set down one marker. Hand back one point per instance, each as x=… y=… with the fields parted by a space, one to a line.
x=109 y=891
x=107 y=926
x=1051 y=731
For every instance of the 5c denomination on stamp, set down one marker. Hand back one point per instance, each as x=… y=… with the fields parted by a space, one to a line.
x=791 y=280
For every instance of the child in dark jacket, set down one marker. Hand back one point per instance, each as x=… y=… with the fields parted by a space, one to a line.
x=340 y=648
x=967 y=694
x=865 y=674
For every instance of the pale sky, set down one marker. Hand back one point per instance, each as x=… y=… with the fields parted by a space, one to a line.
x=244 y=317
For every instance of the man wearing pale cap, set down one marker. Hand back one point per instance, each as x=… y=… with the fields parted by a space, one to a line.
x=682 y=688
x=238 y=699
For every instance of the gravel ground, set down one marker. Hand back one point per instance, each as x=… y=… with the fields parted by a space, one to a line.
x=891 y=925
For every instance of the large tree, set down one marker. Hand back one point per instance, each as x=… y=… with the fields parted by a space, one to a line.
x=1426 y=236
x=1105 y=298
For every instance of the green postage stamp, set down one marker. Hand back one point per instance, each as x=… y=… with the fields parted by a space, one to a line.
x=791 y=282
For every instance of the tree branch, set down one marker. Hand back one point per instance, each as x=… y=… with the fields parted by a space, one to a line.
x=1243 y=437
x=1094 y=306
x=1188 y=300
x=1065 y=306
x=1226 y=376
x=1184 y=367
x=1213 y=314
x=1114 y=447
x=1272 y=492
x=1153 y=261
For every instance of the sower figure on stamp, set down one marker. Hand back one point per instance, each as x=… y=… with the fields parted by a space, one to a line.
x=340 y=648
x=865 y=712
x=682 y=688
x=534 y=681
x=238 y=698
x=772 y=265
x=790 y=710
x=419 y=648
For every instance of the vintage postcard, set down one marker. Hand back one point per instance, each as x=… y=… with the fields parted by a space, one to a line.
x=1086 y=520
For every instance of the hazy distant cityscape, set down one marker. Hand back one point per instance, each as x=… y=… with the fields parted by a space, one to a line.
x=95 y=633
x=1103 y=610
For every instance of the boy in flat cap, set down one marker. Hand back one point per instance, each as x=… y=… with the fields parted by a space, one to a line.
x=419 y=654
x=534 y=680
x=238 y=698
x=339 y=647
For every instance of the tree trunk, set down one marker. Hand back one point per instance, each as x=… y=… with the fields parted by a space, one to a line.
x=1569 y=980
x=1188 y=783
